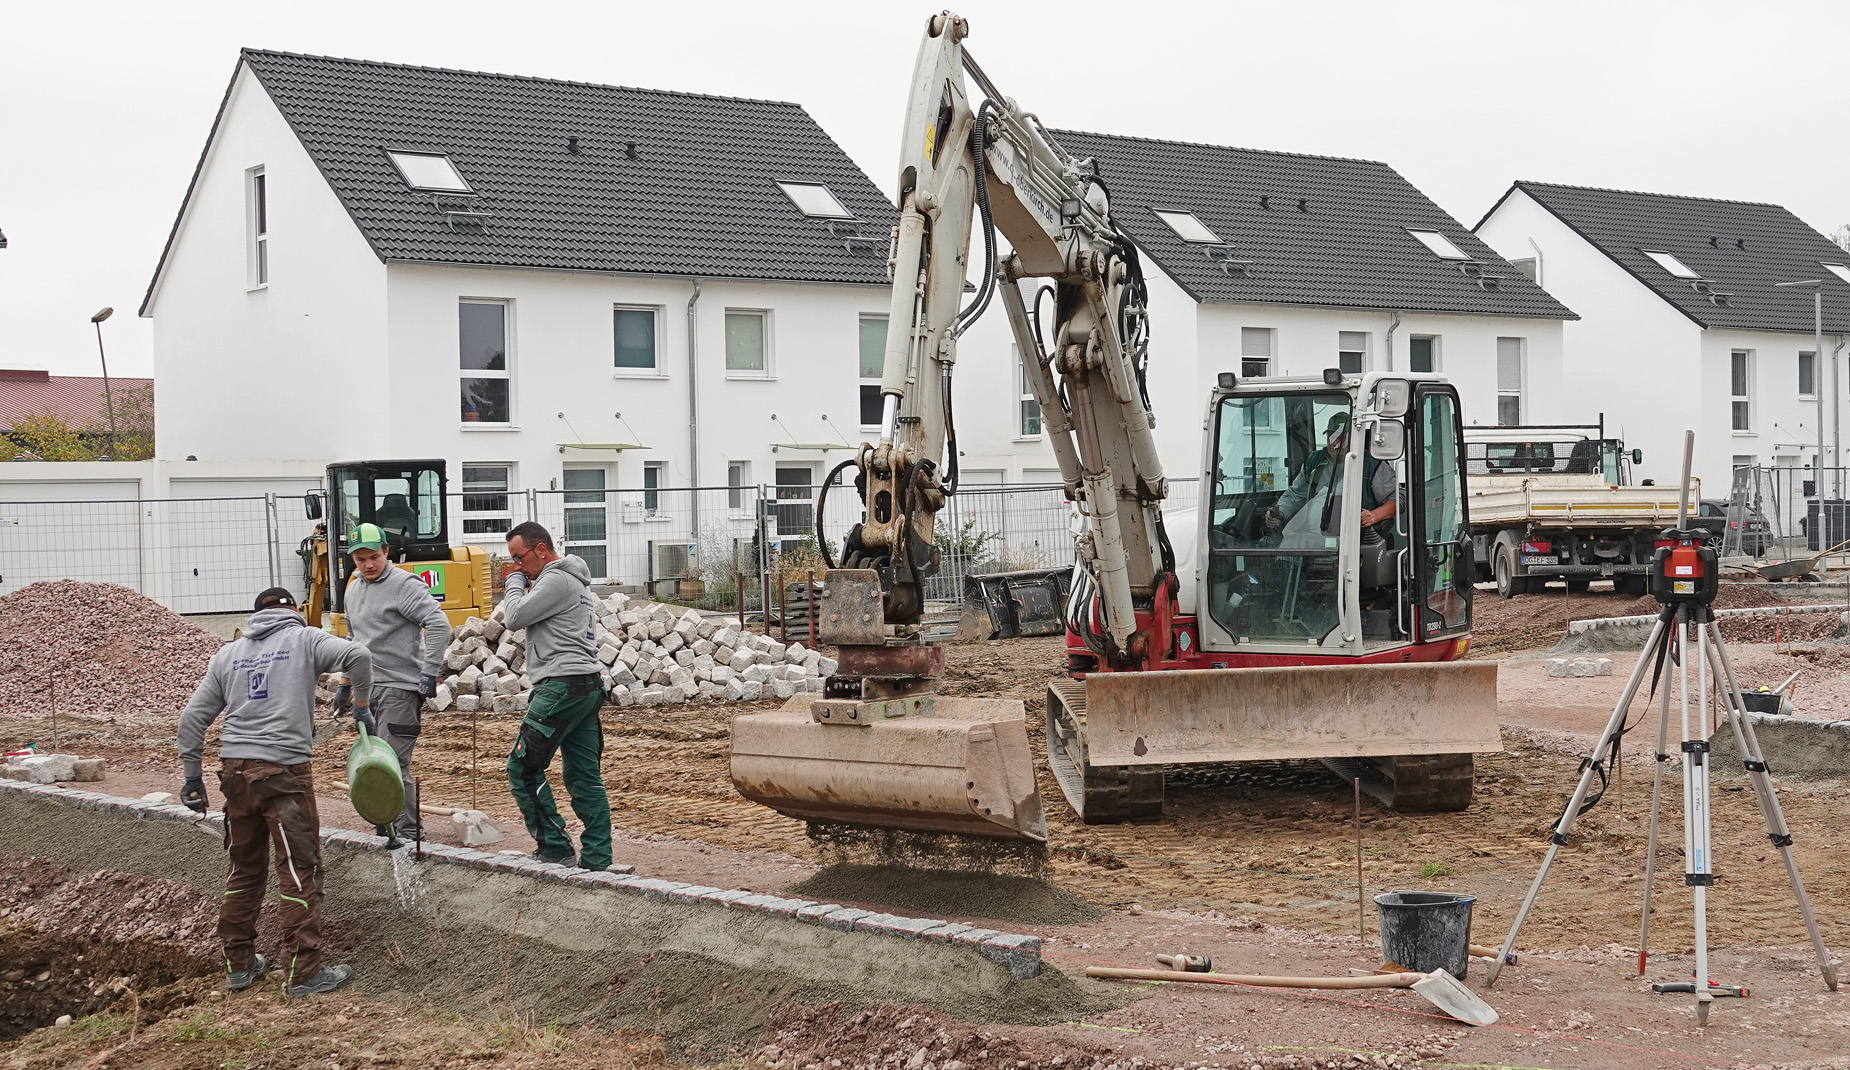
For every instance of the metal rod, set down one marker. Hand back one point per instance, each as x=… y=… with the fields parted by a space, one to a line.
x=739 y=584
x=783 y=614
x=1361 y=916
x=1689 y=456
x=809 y=594
x=108 y=403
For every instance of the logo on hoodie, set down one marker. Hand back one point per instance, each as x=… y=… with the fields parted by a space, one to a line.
x=259 y=685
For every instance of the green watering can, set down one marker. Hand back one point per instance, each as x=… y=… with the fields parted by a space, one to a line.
x=375 y=784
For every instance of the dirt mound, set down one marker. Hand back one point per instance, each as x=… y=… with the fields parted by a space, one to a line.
x=99 y=651
x=111 y=905
x=27 y=880
x=46 y=975
x=1501 y=626
x=936 y=893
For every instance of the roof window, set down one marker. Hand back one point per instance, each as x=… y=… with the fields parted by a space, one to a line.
x=429 y=171
x=1839 y=270
x=815 y=200
x=1673 y=265
x=1188 y=228
x=1440 y=245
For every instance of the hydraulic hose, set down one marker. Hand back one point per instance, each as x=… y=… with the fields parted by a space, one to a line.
x=822 y=499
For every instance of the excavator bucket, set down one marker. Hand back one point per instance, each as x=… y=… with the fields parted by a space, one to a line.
x=926 y=763
x=1004 y=605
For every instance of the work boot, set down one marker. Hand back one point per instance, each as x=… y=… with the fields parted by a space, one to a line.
x=329 y=979
x=567 y=860
x=239 y=980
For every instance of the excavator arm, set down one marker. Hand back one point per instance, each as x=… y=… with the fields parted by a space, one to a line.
x=995 y=169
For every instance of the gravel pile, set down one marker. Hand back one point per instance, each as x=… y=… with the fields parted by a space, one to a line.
x=106 y=651
x=653 y=654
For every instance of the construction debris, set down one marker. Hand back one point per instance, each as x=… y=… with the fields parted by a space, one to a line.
x=51 y=768
x=653 y=654
x=1561 y=667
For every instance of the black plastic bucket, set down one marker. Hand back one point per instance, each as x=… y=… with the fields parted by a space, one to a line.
x=1426 y=931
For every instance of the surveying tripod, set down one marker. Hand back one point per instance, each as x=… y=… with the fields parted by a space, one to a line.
x=1684 y=579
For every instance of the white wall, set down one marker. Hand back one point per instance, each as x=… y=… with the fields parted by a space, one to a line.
x=278 y=372
x=1630 y=354
x=1783 y=425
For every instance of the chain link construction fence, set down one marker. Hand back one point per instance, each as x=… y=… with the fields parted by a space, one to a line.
x=1780 y=513
x=718 y=548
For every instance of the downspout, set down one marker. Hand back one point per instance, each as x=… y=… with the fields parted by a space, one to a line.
x=693 y=406
x=1387 y=351
x=1836 y=401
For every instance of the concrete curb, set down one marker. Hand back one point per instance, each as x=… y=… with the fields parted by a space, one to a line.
x=1019 y=954
x=1581 y=627
x=1793 y=746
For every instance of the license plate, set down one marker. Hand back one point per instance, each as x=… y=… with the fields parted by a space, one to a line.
x=1541 y=559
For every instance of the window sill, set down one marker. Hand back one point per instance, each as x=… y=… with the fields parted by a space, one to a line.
x=657 y=519
x=750 y=376
x=1031 y=438
x=1747 y=434
x=622 y=373
x=259 y=288
x=477 y=425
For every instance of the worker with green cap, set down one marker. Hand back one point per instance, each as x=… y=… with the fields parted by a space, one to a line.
x=395 y=616
x=1322 y=477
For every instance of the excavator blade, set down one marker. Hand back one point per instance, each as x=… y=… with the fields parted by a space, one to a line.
x=955 y=765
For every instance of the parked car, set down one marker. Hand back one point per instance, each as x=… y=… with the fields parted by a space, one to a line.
x=1723 y=521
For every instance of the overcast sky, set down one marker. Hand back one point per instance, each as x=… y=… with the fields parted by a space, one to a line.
x=104 y=108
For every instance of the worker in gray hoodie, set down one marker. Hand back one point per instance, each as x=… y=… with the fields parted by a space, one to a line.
x=264 y=683
x=392 y=614
x=550 y=596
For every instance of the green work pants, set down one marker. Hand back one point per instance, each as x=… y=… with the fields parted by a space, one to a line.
x=562 y=717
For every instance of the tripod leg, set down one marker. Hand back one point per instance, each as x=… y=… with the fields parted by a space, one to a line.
x=1661 y=759
x=1777 y=830
x=1698 y=865
x=1569 y=815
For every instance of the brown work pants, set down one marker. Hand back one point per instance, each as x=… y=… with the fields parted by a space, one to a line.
x=271 y=806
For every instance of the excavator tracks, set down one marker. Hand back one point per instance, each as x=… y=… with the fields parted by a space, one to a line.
x=1413 y=783
x=1100 y=795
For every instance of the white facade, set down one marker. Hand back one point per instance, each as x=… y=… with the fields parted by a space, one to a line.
x=334 y=355
x=1656 y=373
x=1192 y=342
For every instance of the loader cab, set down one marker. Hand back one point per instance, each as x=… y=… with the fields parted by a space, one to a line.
x=405 y=498
x=1293 y=466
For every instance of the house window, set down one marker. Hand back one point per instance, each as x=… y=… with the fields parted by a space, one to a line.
x=1740 y=388
x=1423 y=354
x=425 y=171
x=1441 y=246
x=1807 y=371
x=654 y=474
x=1673 y=265
x=1027 y=409
x=587 y=519
x=815 y=201
x=1351 y=350
x=482 y=329
x=1839 y=270
x=1743 y=470
x=1509 y=380
x=1527 y=265
x=634 y=330
x=259 y=198
x=795 y=493
x=1255 y=351
x=873 y=367
x=1189 y=228
x=745 y=343
x=487 y=511
x=738 y=481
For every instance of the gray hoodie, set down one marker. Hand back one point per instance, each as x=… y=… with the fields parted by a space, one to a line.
x=388 y=616
x=557 y=613
x=265 y=684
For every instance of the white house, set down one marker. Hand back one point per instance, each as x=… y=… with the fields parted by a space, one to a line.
x=1275 y=263
x=1682 y=324
x=552 y=286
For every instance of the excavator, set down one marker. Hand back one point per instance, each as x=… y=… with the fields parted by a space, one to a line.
x=1269 y=623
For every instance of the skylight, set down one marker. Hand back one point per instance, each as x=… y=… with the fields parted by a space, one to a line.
x=1440 y=245
x=1673 y=265
x=426 y=171
x=1839 y=270
x=815 y=201
x=1189 y=229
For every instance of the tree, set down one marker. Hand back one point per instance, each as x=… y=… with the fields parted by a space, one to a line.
x=49 y=436
x=1842 y=237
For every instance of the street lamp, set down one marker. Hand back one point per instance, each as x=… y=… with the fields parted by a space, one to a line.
x=102 y=314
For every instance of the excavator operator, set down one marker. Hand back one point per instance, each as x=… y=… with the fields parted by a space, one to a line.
x=1322 y=477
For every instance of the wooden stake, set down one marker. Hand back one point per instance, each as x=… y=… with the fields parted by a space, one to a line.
x=1361 y=914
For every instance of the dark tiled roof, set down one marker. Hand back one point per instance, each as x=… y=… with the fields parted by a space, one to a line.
x=1739 y=248
x=1347 y=248
x=700 y=198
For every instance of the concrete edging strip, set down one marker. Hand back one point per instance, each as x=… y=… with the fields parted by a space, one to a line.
x=1020 y=954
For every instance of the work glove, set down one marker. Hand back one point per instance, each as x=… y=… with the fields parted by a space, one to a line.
x=1274 y=520
x=193 y=794
x=516 y=581
x=427 y=685
x=343 y=698
x=363 y=715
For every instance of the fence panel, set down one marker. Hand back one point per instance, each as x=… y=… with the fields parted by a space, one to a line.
x=96 y=541
x=1787 y=502
x=219 y=552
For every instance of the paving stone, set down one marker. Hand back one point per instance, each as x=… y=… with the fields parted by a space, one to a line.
x=844 y=918
x=817 y=911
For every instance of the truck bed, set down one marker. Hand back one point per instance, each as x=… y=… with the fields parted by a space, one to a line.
x=1576 y=501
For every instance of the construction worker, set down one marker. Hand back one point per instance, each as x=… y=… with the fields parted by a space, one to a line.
x=392 y=614
x=264 y=683
x=550 y=596
x=1322 y=476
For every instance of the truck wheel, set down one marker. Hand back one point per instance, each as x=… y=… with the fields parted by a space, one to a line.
x=1508 y=586
x=1578 y=586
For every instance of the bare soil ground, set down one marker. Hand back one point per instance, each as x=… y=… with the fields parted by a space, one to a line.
x=1254 y=864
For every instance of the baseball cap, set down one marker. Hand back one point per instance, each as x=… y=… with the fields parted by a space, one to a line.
x=366 y=537
x=272 y=598
x=1338 y=421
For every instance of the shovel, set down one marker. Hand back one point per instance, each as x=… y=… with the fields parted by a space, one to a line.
x=1439 y=988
